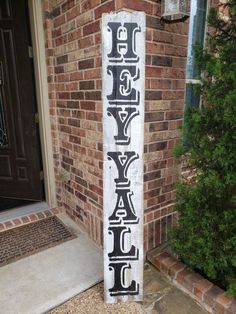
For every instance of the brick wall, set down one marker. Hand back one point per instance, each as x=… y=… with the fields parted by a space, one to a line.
x=165 y=83
x=73 y=37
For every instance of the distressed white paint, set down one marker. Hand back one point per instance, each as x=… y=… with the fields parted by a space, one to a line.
x=135 y=131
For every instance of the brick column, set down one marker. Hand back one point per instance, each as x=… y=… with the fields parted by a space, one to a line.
x=77 y=110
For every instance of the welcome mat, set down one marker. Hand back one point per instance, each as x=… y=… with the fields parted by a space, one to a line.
x=29 y=239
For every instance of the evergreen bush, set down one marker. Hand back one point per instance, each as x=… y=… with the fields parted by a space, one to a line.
x=206 y=230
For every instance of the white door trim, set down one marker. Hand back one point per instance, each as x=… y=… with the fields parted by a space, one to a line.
x=40 y=68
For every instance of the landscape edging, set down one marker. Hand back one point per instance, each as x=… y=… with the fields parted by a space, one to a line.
x=211 y=298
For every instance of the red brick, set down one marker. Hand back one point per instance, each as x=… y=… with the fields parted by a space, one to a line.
x=87 y=105
x=178 y=62
x=96 y=189
x=153 y=72
x=17 y=222
x=158 y=126
x=153 y=95
x=91 y=195
x=161 y=36
x=93 y=95
x=177 y=267
x=61 y=40
x=172 y=95
x=98 y=38
x=180 y=40
x=90 y=74
x=156 y=183
x=56 y=32
x=154 y=116
x=40 y=216
x=201 y=287
x=64 y=95
x=155 y=165
x=86 y=64
x=157 y=146
x=106 y=7
x=55 y=210
x=91 y=28
x=95 y=116
x=2 y=226
x=33 y=217
x=67 y=5
x=89 y=4
x=211 y=295
x=73 y=13
x=47 y=213
x=8 y=224
x=157 y=235
x=135 y=5
x=85 y=18
x=86 y=85
x=181 y=276
x=156 y=9
x=74 y=122
x=76 y=76
x=161 y=61
x=222 y=302
x=151 y=193
x=173 y=115
x=59 y=20
x=82 y=197
x=232 y=308
x=191 y=280
x=158 y=260
x=152 y=175
x=77 y=95
x=25 y=219
x=167 y=264
x=86 y=41
x=154 y=22
x=148 y=60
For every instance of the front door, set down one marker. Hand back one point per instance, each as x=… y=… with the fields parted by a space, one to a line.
x=20 y=161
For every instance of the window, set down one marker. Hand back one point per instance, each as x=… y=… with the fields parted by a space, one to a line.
x=197 y=26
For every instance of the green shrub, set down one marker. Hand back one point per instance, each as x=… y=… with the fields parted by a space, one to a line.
x=206 y=231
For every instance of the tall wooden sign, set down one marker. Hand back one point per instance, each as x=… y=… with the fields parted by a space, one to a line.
x=123 y=42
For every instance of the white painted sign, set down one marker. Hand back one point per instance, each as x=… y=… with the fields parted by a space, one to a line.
x=123 y=42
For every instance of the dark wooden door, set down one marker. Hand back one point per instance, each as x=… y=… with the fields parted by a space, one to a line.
x=20 y=161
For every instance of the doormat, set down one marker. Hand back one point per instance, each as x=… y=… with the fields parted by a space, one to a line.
x=29 y=239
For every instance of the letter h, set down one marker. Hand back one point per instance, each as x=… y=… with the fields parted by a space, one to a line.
x=123 y=42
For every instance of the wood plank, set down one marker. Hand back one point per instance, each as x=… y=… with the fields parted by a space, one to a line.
x=123 y=42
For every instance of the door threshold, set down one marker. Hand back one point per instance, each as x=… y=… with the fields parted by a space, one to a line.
x=18 y=212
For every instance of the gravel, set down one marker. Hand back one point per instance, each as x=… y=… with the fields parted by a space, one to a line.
x=91 y=302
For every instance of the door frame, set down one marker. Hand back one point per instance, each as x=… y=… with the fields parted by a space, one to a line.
x=40 y=69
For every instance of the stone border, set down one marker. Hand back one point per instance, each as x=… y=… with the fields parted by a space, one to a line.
x=209 y=296
x=29 y=218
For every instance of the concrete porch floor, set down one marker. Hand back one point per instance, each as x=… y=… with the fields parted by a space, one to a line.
x=60 y=275
x=42 y=281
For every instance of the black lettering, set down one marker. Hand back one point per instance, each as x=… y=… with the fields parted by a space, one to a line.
x=118 y=252
x=123 y=79
x=122 y=161
x=123 y=42
x=124 y=209
x=123 y=119
x=119 y=287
